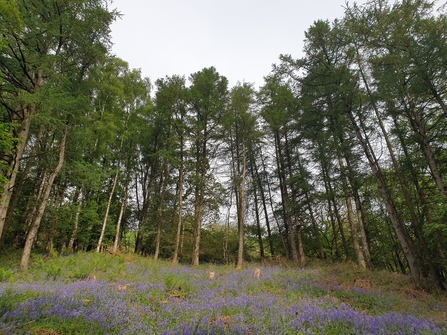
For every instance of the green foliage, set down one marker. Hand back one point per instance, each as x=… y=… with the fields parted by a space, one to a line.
x=152 y=288
x=6 y=274
x=10 y=18
x=7 y=144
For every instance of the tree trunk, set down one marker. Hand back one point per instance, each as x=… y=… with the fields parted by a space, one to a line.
x=314 y=225
x=106 y=215
x=269 y=190
x=32 y=234
x=354 y=232
x=143 y=218
x=364 y=238
x=351 y=219
x=297 y=224
x=164 y=182
x=285 y=201
x=76 y=223
x=258 y=183
x=389 y=203
x=199 y=201
x=419 y=128
x=198 y=215
x=11 y=175
x=120 y=217
x=175 y=257
x=258 y=224
x=331 y=215
x=302 y=255
x=241 y=207
x=18 y=186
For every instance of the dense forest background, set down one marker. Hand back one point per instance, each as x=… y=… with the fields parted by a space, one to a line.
x=340 y=155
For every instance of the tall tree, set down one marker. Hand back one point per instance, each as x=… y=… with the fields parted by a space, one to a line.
x=207 y=101
x=278 y=105
x=47 y=184
x=171 y=100
x=239 y=127
x=55 y=39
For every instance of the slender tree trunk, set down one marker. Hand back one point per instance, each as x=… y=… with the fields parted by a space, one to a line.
x=199 y=201
x=340 y=226
x=11 y=175
x=298 y=226
x=419 y=128
x=143 y=218
x=269 y=190
x=418 y=226
x=198 y=215
x=302 y=255
x=120 y=217
x=285 y=202
x=352 y=224
x=164 y=182
x=74 y=232
x=354 y=232
x=180 y=207
x=331 y=214
x=258 y=224
x=314 y=225
x=241 y=207
x=389 y=203
x=32 y=234
x=227 y=228
x=334 y=230
x=257 y=178
x=106 y=215
x=18 y=186
x=364 y=238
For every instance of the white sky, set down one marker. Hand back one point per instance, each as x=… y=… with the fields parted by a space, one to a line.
x=240 y=38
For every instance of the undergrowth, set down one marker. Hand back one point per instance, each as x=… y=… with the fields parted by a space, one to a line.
x=90 y=293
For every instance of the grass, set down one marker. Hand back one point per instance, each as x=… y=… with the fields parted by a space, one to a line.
x=89 y=293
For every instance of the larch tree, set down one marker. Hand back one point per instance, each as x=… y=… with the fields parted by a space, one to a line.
x=240 y=129
x=208 y=95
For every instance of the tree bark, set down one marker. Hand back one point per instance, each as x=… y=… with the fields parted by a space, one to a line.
x=120 y=217
x=32 y=234
x=75 y=223
x=258 y=223
x=285 y=200
x=258 y=184
x=18 y=185
x=164 y=185
x=199 y=203
x=352 y=224
x=11 y=175
x=106 y=215
x=389 y=203
x=175 y=257
x=241 y=206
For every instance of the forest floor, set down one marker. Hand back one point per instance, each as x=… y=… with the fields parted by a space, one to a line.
x=89 y=293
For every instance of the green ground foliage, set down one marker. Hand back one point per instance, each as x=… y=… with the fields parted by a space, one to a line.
x=101 y=293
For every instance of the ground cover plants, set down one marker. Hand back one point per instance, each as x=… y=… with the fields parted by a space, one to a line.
x=89 y=293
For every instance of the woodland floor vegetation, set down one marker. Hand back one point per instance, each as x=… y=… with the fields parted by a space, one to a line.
x=99 y=293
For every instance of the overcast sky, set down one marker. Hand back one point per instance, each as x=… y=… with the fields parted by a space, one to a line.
x=240 y=38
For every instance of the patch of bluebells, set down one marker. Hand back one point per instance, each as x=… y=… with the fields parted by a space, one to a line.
x=182 y=300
